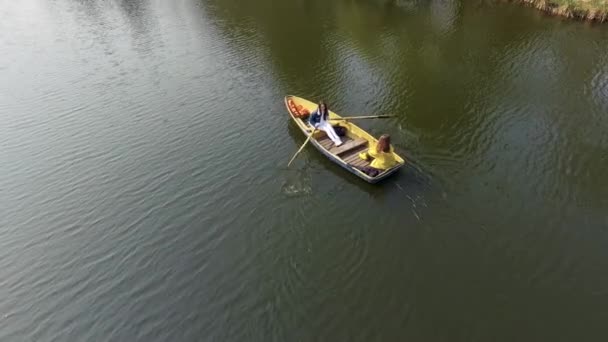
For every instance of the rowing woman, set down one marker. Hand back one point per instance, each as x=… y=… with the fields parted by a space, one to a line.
x=320 y=120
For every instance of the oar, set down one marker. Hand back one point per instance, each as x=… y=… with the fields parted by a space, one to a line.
x=302 y=147
x=365 y=117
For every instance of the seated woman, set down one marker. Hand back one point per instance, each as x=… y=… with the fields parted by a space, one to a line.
x=319 y=119
x=380 y=156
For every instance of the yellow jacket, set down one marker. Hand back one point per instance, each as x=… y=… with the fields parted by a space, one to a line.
x=381 y=160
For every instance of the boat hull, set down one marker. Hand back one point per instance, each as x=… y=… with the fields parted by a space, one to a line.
x=353 y=132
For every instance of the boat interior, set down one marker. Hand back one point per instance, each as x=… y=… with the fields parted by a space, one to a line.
x=348 y=151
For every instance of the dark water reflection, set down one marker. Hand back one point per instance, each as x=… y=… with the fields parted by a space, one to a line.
x=144 y=193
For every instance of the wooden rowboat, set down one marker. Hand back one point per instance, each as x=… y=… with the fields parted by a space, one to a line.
x=355 y=141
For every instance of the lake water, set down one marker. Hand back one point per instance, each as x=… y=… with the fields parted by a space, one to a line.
x=144 y=193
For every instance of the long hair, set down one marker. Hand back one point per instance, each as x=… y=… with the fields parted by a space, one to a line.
x=384 y=143
x=325 y=112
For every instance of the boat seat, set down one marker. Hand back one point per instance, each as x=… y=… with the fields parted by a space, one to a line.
x=347 y=146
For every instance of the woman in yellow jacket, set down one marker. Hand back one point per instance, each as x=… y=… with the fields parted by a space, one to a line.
x=380 y=156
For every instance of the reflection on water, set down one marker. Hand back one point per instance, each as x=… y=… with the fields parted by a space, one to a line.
x=144 y=191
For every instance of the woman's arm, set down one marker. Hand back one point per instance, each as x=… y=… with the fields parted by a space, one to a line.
x=364 y=155
x=313 y=119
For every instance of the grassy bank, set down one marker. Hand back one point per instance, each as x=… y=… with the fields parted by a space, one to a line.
x=596 y=10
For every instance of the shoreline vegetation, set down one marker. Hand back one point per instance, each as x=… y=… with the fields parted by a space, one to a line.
x=590 y=10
